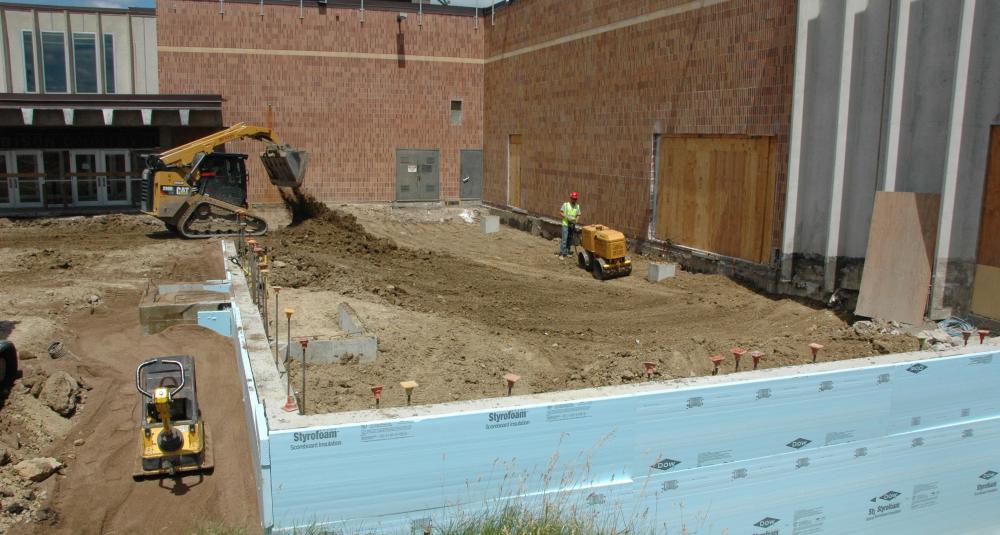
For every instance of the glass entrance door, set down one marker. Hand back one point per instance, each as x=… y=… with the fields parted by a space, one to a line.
x=6 y=181
x=117 y=183
x=27 y=181
x=87 y=183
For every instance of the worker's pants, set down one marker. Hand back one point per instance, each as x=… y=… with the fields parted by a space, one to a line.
x=564 y=243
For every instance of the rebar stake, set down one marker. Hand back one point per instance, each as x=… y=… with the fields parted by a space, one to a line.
x=737 y=353
x=814 y=347
x=511 y=378
x=277 y=290
x=408 y=386
x=649 y=367
x=302 y=406
x=756 y=356
x=716 y=362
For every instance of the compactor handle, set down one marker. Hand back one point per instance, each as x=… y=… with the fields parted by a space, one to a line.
x=138 y=375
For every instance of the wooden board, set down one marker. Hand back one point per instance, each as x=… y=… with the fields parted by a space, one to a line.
x=897 y=273
x=717 y=194
x=514 y=171
x=986 y=288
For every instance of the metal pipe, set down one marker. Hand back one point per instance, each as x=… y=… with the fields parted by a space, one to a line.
x=477 y=17
x=302 y=405
x=420 y=14
x=222 y=7
x=362 y=11
x=301 y=11
x=261 y=8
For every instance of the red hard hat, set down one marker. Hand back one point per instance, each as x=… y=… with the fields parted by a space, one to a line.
x=574 y=195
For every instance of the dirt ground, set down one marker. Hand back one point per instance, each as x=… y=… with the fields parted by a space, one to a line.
x=455 y=310
x=79 y=281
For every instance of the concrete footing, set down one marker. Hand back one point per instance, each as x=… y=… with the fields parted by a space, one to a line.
x=179 y=303
x=357 y=344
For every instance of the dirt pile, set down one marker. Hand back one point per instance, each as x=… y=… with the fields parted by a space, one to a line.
x=67 y=425
x=455 y=310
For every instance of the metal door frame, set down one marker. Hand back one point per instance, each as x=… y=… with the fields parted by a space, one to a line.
x=8 y=182
x=481 y=173
x=128 y=179
x=437 y=153
x=99 y=188
x=16 y=198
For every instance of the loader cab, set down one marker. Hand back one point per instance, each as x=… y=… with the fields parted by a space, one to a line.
x=223 y=176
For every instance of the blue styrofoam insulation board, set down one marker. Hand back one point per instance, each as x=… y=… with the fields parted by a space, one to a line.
x=220 y=321
x=902 y=448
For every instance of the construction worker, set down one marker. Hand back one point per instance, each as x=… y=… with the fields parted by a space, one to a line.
x=570 y=212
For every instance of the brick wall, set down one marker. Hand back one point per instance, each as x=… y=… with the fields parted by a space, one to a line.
x=350 y=113
x=587 y=109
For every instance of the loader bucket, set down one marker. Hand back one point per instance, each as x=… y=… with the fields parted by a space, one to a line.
x=286 y=167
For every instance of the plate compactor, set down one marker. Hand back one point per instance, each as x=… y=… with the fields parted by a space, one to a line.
x=172 y=438
x=604 y=252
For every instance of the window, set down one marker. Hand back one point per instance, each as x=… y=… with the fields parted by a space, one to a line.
x=85 y=62
x=109 y=63
x=29 y=61
x=54 y=61
x=456 y=112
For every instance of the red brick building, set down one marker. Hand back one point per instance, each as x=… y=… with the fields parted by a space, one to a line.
x=590 y=95
x=351 y=87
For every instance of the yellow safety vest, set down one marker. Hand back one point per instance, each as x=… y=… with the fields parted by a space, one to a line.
x=570 y=210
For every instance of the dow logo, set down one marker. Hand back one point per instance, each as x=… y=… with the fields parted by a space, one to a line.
x=596 y=499
x=665 y=464
x=989 y=474
x=889 y=496
x=767 y=522
x=798 y=443
x=916 y=368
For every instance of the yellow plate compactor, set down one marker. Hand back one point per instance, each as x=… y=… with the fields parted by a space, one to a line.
x=604 y=252
x=172 y=440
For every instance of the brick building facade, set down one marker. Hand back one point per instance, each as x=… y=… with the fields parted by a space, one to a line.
x=592 y=87
x=351 y=92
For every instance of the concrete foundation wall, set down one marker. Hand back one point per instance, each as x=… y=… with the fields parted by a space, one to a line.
x=895 y=444
x=891 y=101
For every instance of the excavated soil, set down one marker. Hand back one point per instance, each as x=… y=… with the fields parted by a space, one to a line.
x=455 y=310
x=79 y=281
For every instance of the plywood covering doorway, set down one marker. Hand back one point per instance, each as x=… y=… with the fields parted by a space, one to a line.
x=716 y=194
x=986 y=287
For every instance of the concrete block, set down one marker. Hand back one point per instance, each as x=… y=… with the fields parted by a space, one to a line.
x=357 y=348
x=349 y=321
x=490 y=224
x=658 y=272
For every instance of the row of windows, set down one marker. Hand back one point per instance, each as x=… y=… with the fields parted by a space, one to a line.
x=54 y=62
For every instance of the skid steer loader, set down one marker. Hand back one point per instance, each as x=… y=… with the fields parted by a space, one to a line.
x=199 y=192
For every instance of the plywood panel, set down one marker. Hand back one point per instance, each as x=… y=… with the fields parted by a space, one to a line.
x=986 y=291
x=986 y=288
x=514 y=170
x=716 y=193
x=897 y=272
x=989 y=226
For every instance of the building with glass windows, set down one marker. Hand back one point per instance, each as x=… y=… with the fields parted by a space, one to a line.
x=80 y=106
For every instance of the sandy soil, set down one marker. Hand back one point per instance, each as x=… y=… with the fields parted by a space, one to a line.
x=455 y=310
x=79 y=280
